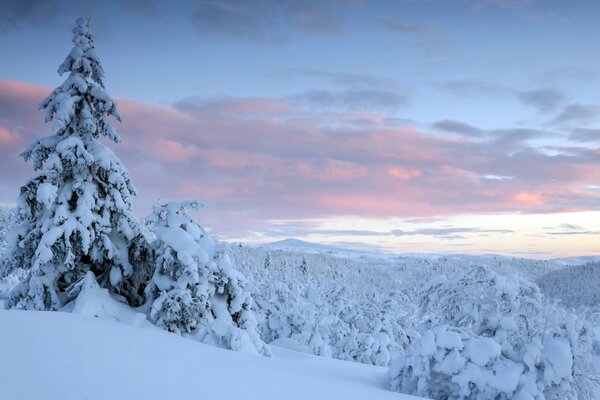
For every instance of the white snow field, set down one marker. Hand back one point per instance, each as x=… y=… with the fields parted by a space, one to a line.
x=63 y=356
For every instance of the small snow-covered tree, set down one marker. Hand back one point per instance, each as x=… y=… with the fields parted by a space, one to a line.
x=75 y=215
x=304 y=266
x=195 y=289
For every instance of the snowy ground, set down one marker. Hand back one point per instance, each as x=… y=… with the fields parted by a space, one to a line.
x=78 y=357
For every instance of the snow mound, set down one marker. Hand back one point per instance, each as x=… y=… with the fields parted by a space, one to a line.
x=70 y=356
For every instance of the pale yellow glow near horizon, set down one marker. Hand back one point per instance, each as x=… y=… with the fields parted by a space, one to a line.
x=531 y=235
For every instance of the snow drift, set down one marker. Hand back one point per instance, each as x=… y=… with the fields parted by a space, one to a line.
x=61 y=356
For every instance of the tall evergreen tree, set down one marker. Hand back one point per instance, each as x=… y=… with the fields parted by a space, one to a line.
x=75 y=215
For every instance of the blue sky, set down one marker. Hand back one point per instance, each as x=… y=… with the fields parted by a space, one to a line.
x=513 y=83
x=464 y=59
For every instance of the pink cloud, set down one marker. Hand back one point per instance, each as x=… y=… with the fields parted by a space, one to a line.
x=254 y=159
x=343 y=170
x=23 y=91
x=9 y=137
x=528 y=198
x=404 y=174
x=172 y=150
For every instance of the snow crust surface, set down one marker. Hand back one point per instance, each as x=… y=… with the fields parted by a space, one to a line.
x=74 y=357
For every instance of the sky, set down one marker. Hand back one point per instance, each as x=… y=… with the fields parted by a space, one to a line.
x=447 y=126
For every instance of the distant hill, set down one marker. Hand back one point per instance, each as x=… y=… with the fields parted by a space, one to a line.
x=292 y=243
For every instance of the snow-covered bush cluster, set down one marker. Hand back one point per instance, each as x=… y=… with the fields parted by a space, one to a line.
x=332 y=306
x=73 y=224
x=195 y=288
x=484 y=335
x=5 y=217
x=454 y=363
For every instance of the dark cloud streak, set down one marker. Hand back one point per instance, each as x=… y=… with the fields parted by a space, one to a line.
x=461 y=128
x=585 y=135
x=353 y=99
x=265 y=21
x=15 y=13
x=429 y=37
x=576 y=113
x=544 y=100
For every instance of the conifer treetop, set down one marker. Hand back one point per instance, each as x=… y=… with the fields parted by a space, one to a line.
x=83 y=58
x=80 y=106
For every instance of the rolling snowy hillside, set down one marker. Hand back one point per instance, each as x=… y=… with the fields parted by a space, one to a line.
x=62 y=356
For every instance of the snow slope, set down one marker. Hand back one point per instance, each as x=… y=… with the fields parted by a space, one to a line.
x=69 y=356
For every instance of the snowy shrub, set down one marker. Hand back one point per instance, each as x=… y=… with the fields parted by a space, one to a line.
x=488 y=303
x=284 y=313
x=75 y=215
x=453 y=363
x=549 y=347
x=195 y=289
x=370 y=329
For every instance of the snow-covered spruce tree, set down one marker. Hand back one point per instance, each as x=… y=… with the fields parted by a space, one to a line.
x=195 y=289
x=74 y=216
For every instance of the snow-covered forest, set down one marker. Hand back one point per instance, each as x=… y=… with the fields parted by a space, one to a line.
x=437 y=326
